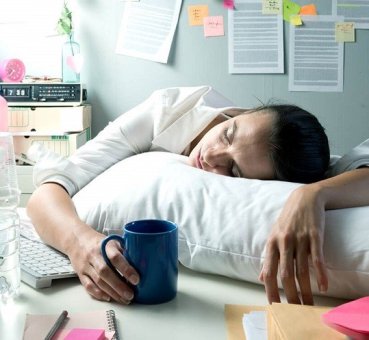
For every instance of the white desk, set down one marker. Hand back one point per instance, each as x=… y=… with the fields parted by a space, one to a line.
x=196 y=313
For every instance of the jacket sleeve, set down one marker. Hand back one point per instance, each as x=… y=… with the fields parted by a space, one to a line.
x=131 y=133
x=355 y=158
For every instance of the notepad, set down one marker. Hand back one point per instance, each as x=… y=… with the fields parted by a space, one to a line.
x=38 y=325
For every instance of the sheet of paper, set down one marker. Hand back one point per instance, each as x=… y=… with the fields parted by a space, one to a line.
x=316 y=59
x=255 y=325
x=255 y=40
x=147 y=29
x=213 y=26
x=353 y=10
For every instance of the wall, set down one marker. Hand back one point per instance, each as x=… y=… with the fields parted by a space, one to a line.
x=115 y=82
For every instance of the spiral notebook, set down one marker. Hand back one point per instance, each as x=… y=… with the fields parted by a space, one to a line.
x=38 y=325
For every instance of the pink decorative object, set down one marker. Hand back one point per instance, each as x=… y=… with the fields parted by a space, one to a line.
x=75 y=62
x=12 y=70
x=351 y=318
x=3 y=115
x=228 y=4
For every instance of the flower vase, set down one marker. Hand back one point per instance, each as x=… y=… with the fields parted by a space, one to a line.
x=71 y=61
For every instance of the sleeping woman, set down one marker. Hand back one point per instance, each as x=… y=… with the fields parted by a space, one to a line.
x=277 y=142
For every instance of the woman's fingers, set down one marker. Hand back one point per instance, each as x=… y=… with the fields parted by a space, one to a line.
x=303 y=275
x=269 y=273
x=112 y=284
x=287 y=271
x=120 y=263
x=317 y=259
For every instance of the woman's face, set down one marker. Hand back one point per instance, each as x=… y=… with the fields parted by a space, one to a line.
x=237 y=147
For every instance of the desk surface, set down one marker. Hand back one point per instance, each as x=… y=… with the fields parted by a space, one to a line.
x=196 y=313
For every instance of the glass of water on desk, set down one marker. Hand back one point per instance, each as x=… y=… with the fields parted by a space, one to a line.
x=9 y=220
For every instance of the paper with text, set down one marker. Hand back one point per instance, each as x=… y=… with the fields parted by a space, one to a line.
x=255 y=40
x=353 y=10
x=255 y=325
x=147 y=29
x=316 y=59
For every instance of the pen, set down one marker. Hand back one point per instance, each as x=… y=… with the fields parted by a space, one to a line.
x=56 y=325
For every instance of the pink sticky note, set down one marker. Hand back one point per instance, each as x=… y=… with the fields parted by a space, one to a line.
x=351 y=318
x=228 y=4
x=85 y=334
x=213 y=26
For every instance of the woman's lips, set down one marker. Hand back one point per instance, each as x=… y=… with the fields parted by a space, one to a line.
x=198 y=161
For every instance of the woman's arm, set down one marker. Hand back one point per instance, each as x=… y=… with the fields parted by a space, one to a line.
x=298 y=234
x=53 y=213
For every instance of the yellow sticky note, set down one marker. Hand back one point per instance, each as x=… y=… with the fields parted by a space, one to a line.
x=308 y=10
x=295 y=19
x=271 y=6
x=290 y=8
x=213 y=26
x=345 y=32
x=197 y=13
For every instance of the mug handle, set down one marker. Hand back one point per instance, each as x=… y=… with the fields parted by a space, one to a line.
x=105 y=241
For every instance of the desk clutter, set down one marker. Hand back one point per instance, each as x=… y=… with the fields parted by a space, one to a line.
x=94 y=325
x=282 y=321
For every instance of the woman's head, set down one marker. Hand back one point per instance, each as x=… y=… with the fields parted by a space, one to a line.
x=280 y=142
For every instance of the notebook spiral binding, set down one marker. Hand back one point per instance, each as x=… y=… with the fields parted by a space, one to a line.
x=112 y=323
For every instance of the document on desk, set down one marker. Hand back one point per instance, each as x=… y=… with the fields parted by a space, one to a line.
x=255 y=325
x=147 y=29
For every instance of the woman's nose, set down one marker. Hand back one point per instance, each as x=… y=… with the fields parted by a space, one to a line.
x=215 y=157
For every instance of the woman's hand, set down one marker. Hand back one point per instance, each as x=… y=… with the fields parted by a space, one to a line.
x=296 y=236
x=95 y=275
x=54 y=216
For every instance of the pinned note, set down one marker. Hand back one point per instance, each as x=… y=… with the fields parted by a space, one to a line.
x=308 y=10
x=213 y=26
x=228 y=4
x=271 y=6
x=345 y=32
x=197 y=13
x=290 y=8
x=295 y=19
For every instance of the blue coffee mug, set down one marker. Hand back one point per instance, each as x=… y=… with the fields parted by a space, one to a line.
x=151 y=247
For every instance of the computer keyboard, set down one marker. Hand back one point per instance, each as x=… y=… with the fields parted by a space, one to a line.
x=41 y=264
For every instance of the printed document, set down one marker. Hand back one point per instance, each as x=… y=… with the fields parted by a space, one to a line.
x=147 y=29
x=255 y=39
x=353 y=11
x=316 y=59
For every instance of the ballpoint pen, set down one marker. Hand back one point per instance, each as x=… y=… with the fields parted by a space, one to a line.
x=56 y=325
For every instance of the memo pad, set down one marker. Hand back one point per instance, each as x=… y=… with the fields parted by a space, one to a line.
x=223 y=222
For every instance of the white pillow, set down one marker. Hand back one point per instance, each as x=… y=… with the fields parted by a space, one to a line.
x=223 y=222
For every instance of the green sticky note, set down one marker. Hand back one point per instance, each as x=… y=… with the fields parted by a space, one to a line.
x=290 y=8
